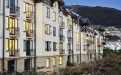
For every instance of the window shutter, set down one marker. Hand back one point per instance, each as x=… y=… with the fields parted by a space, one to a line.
x=49 y=44
x=16 y=44
x=24 y=45
x=31 y=45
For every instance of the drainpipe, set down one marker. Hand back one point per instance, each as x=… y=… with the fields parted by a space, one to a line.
x=80 y=41
x=35 y=35
x=3 y=35
x=72 y=43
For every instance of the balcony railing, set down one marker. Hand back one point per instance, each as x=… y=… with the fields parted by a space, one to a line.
x=30 y=52
x=62 y=51
x=70 y=51
x=14 y=32
x=29 y=15
x=69 y=39
x=88 y=51
x=30 y=34
x=70 y=28
x=14 y=53
x=62 y=38
x=14 y=10
x=98 y=43
x=62 y=25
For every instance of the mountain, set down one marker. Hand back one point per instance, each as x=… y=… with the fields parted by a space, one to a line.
x=99 y=15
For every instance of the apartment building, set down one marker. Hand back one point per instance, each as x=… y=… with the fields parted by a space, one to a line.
x=17 y=30
x=92 y=43
x=36 y=33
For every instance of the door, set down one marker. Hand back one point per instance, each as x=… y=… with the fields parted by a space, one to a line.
x=61 y=47
x=27 y=47
x=12 y=26
x=28 y=10
x=11 y=66
x=27 y=64
x=12 y=47
x=28 y=29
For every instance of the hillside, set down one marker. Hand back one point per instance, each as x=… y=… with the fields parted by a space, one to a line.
x=100 y=15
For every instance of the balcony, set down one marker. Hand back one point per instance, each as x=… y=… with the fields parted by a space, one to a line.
x=62 y=25
x=62 y=51
x=69 y=39
x=14 y=53
x=29 y=15
x=14 y=32
x=14 y=11
x=62 y=38
x=70 y=28
x=98 y=43
x=30 y=52
x=88 y=51
x=30 y=34
x=90 y=42
x=92 y=51
x=70 y=51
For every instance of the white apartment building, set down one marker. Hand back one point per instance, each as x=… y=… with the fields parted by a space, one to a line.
x=36 y=33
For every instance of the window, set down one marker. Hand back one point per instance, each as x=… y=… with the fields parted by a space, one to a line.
x=67 y=46
x=48 y=12
x=77 y=25
x=87 y=56
x=77 y=46
x=7 y=44
x=48 y=62
x=47 y=45
x=48 y=2
x=54 y=16
x=60 y=19
x=28 y=46
x=54 y=4
x=13 y=46
x=77 y=37
x=90 y=56
x=28 y=26
x=12 y=66
x=7 y=3
x=7 y=22
x=54 y=31
x=0 y=5
x=28 y=7
x=68 y=23
x=54 y=61
x=54 y=46
x=27 y=64
x=84 y=47
x=61 y=47
x=77 y=58
x=60 y=60
x=47 y=29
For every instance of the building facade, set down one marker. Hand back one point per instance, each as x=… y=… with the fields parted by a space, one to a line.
x=44 y=33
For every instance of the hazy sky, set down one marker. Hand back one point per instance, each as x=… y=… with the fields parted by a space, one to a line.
x=105 y=3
